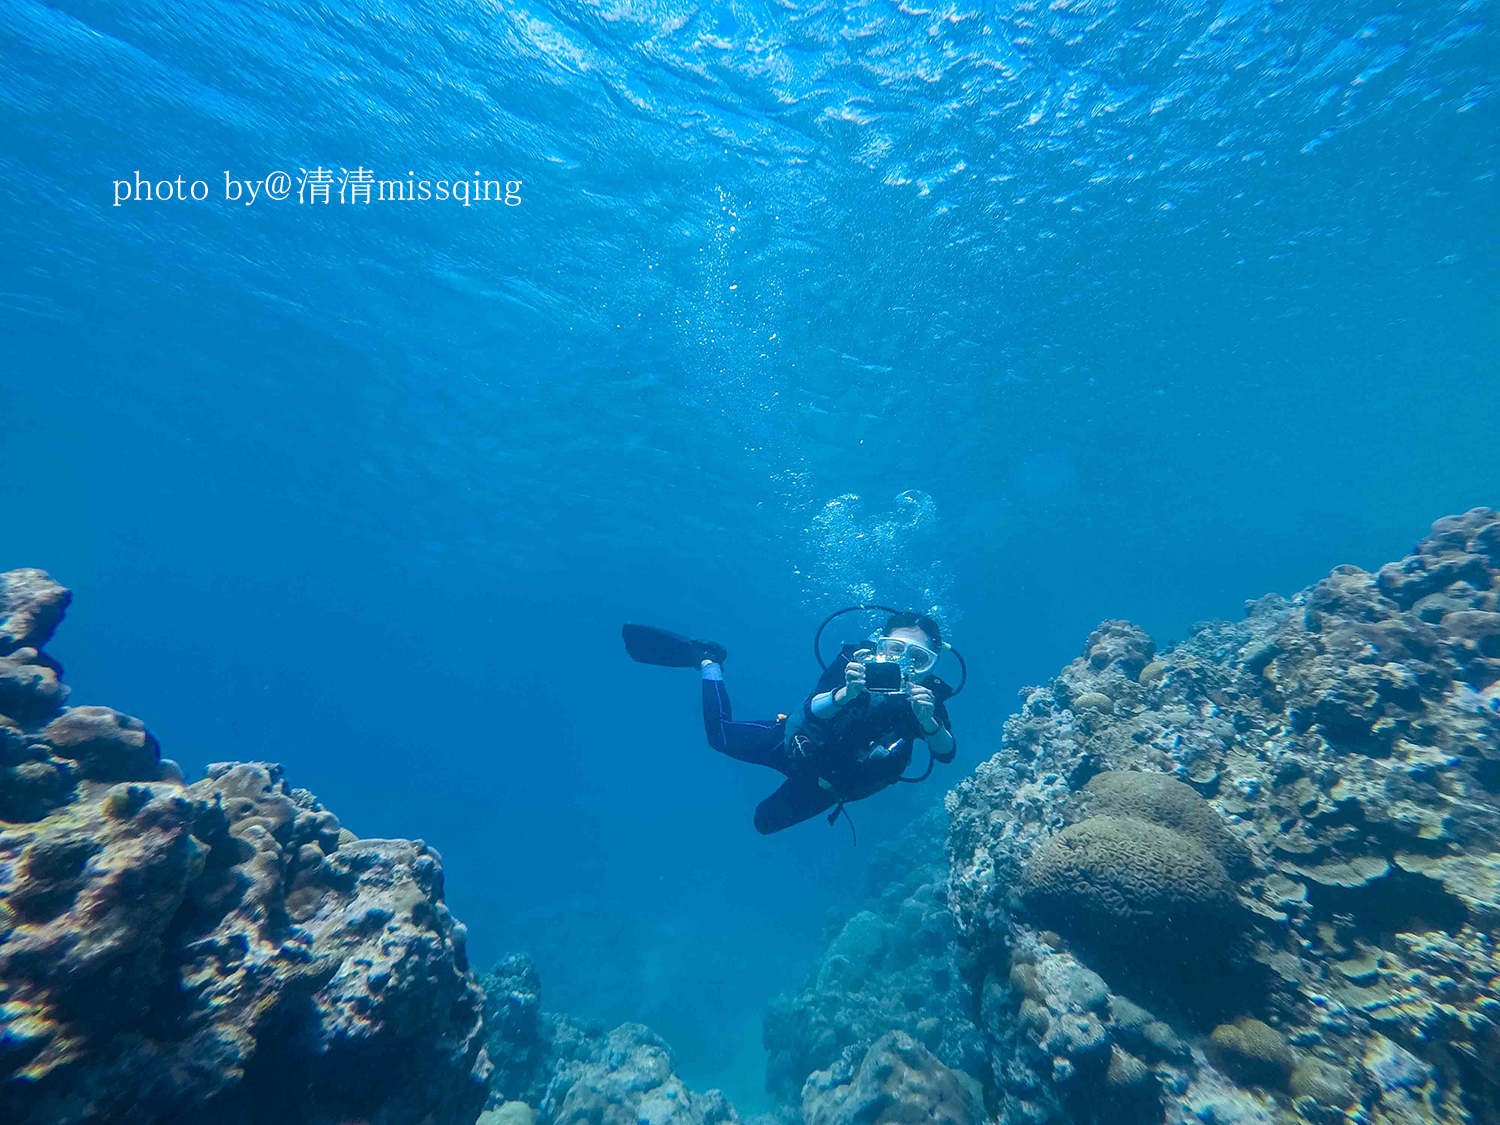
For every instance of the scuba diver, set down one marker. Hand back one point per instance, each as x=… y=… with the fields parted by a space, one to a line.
x=853 y=735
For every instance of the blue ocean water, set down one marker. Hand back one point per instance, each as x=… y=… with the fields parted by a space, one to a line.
x=1028 y=314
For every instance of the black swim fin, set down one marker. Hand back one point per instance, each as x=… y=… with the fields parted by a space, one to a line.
x=648 y=645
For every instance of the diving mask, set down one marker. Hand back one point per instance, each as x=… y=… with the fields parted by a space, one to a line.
x=914 y=658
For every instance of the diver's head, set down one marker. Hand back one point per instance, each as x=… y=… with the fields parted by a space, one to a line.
x=912 y=638
x=916 y=627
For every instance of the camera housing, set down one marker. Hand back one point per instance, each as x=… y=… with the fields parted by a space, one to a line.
x=884 y=677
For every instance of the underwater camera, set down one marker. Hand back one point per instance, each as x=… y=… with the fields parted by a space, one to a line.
x=884 y=677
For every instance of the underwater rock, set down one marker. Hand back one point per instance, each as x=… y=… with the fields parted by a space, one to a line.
x=1344 y=746
x=550 y=1067
x=1322 y=1091
x=1210 y=1099
x=532 y=1050
x=31 y=605
x=899 y=1082
x=631 y=1081
x=891 y=966
x=218 y=951
x=1407 y=1089
x=1063 y=1046
x=1119 y=645
x=31 y=691
x=104 y=744
x=515 y=1038
x=1473 y=879
x=508 y=1113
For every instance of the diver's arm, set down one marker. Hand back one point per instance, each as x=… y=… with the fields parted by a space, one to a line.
x=940 y=742
x=931 y=721
x=826 y=704
x=823 y=706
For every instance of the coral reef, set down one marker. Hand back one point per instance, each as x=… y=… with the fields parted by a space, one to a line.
x=554 y=1069
x=31 y=605
x=891 y=966
x=1320 y=777
x=1251 y=878
x=898 y=1082
x=534 y=1052
x=518 y=1043
x=630 y=1081
x=508 y=1113
x=1063 y=1046
x=218 y=951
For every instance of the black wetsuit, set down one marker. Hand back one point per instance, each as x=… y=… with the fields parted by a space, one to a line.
x=858 y=750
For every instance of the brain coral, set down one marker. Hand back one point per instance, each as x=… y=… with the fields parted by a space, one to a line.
x=1129 y=883
x=1159 y=799
x=1253 y=1051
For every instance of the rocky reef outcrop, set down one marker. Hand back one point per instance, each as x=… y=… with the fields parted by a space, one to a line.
x=632 y=1080
x=897 y=1082
x=555 y=1069
x=537 y=1055
x=1253 y=878
x=220 y=951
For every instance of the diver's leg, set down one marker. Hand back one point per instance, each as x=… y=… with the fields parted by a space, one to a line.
x=794 y=802
x=716 y=709
x=759 y=743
